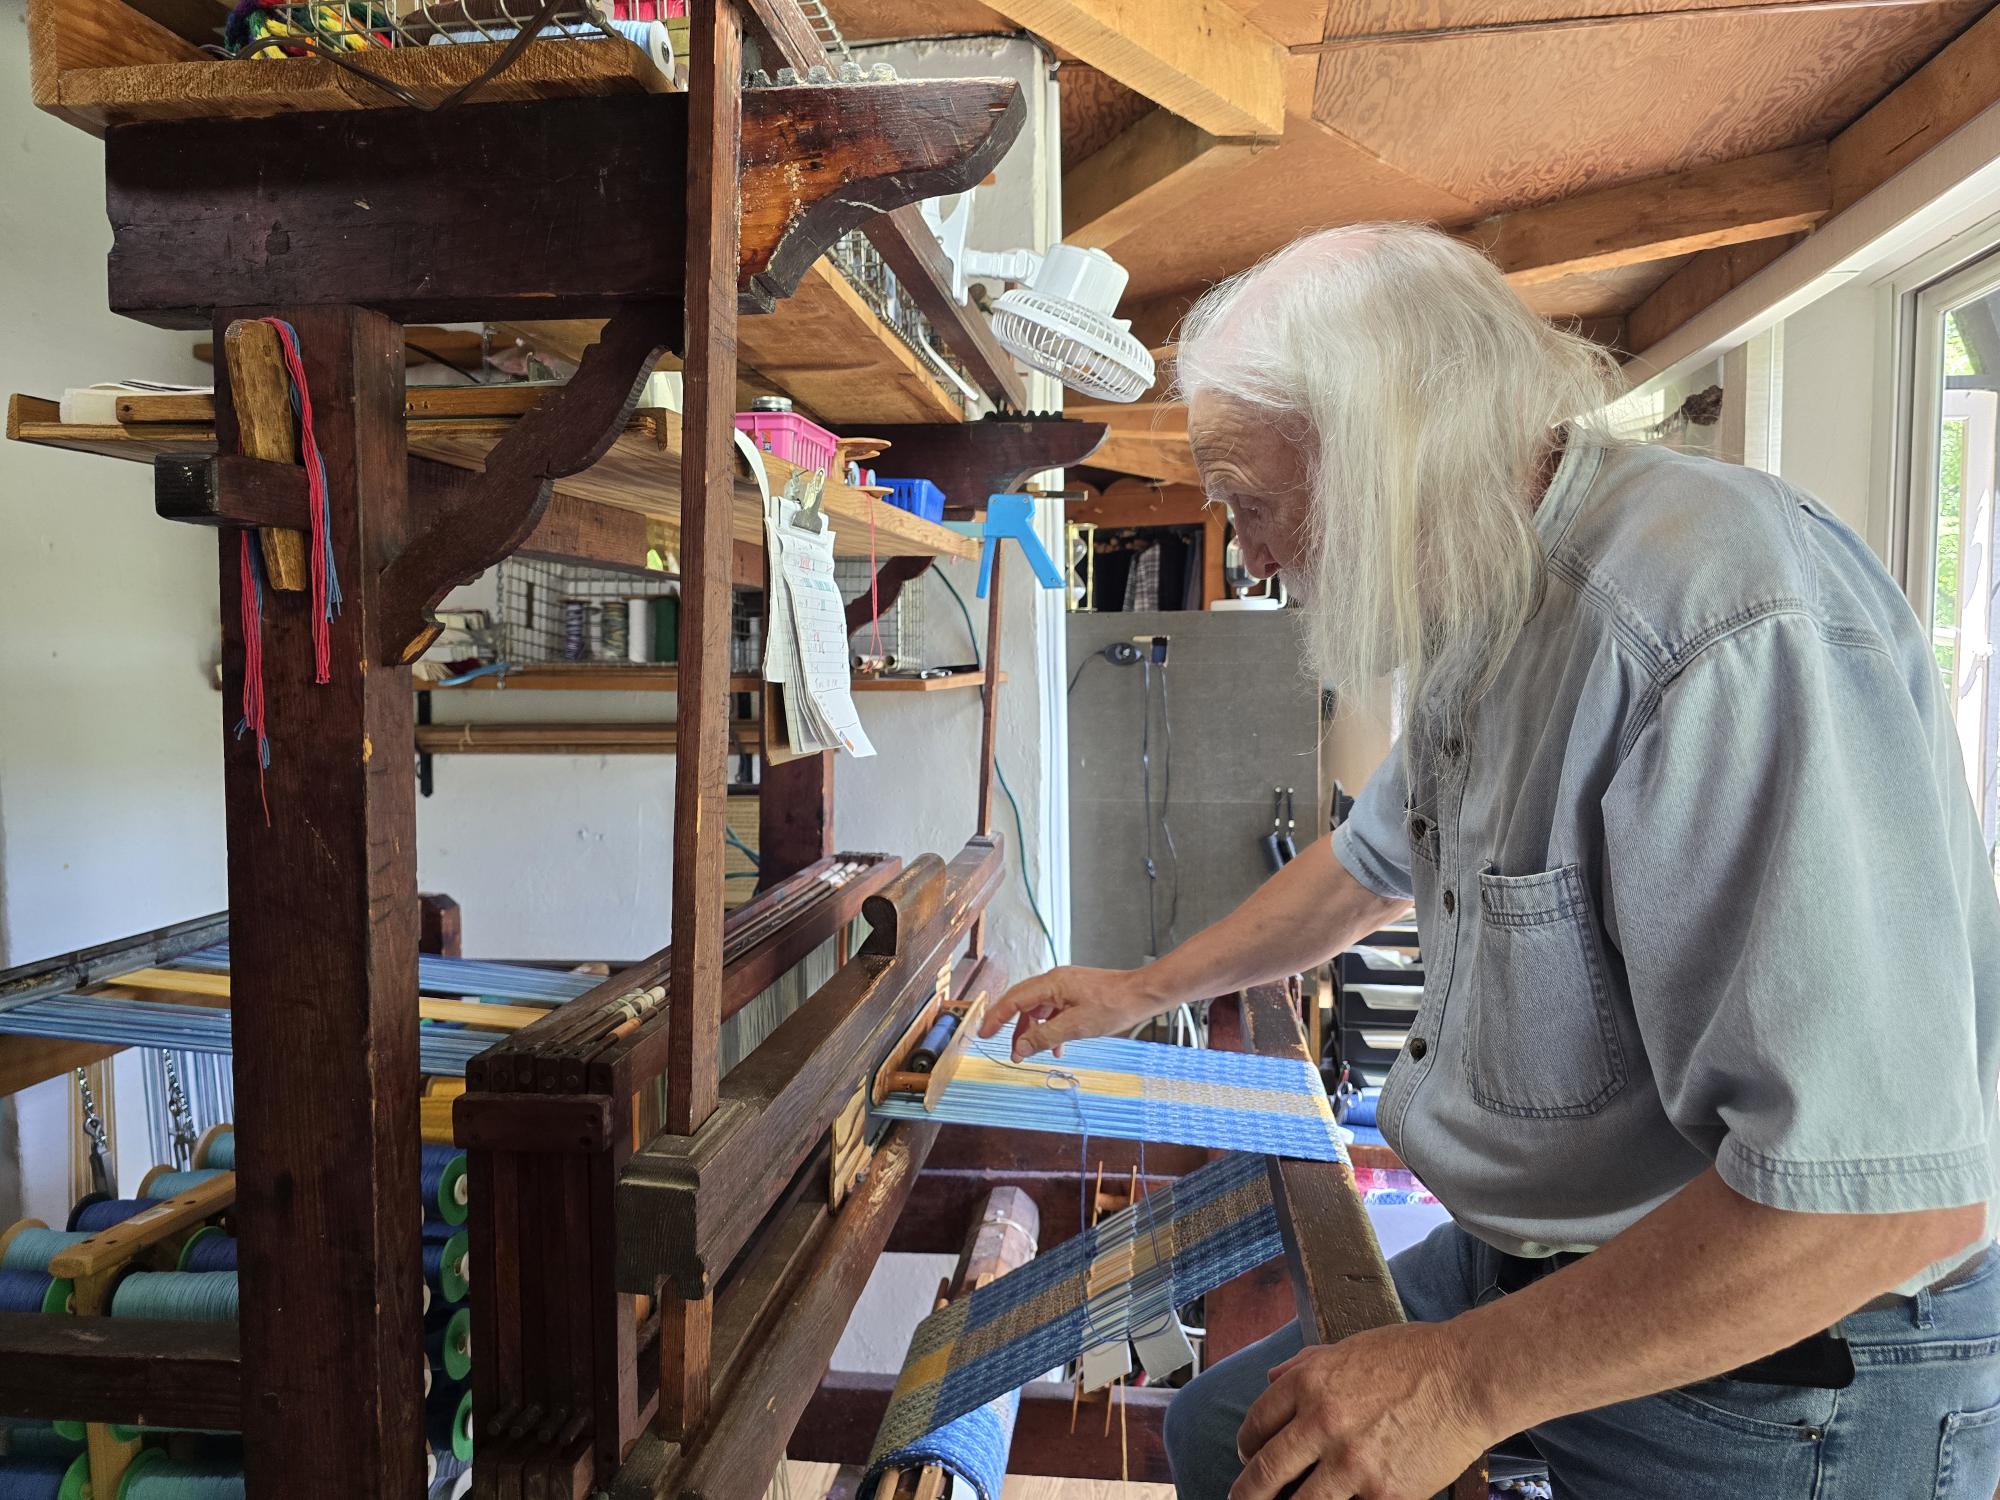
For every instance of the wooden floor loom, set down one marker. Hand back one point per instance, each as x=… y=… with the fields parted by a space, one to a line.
x=663 y=1257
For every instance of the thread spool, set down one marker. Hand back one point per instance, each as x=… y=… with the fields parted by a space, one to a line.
x=617 y=629
x=639 y=637
x=448 y=1420
x=181 y=1296
x=208 y=1250
x=165 y=1182
x=54 y=1478
x=449 y=1348
x=37 y=1440
x=34 y=1291
x=448 y=1466
x=441 y=1174
x=926 y=1055
x=97 y=1212
x=155 y=1476
x=127 y=1433
x=30 y=1245
x=575 y=637
x=445 y=1270
x=217 y=1148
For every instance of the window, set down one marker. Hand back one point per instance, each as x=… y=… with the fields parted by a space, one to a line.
x=1954 y=523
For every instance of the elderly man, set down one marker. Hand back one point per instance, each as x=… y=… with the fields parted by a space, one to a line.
x=1705 y=1066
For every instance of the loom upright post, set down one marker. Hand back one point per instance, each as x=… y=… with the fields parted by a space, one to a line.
x=323 y=953
x=708 y=494
x=989 y=723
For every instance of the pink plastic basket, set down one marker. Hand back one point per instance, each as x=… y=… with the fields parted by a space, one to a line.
x=789 y=436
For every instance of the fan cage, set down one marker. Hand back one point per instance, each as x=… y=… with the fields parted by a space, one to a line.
x=1085 y=351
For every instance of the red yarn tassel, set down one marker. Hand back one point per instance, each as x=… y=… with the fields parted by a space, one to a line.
x=251 y=586
x=325 y=581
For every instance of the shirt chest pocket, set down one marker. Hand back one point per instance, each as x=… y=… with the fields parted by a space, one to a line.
x=1541 y=1039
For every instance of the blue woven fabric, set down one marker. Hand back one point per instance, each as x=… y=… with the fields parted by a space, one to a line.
x=1200 y=1231
x=972 y=1447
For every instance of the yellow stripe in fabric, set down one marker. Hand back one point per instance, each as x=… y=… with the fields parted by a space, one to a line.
x=1015 y=1075
x=1187 y=1091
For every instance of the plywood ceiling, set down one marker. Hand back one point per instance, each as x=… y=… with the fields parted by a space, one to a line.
x=1508 y=119
x=1453 y=129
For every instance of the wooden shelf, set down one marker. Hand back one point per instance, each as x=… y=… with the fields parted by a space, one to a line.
x=641 y=473
x=824 y=346
x=584 y=677
x=922 y=684
x=568 y=739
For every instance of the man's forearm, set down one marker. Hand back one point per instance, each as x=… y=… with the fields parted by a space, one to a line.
x=1705 y=1283
x=1296 y=920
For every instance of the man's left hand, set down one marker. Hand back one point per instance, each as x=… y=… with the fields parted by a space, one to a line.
x=1384 y=1415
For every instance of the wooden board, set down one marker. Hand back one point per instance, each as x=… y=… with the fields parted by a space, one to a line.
x=639 y=473
x=825 y=347
x=198 y=87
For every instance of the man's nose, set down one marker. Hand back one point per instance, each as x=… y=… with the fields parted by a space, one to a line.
x=1258 y=559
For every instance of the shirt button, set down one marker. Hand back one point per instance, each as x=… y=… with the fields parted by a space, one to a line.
x=1418 y=1047
x=1450 y=901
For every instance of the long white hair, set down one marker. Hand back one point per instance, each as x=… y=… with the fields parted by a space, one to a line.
x=1428 y=396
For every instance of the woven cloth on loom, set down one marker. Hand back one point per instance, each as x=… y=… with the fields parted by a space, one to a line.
x=1140 y=1091
x=1117 y=1277
x=972 y=1447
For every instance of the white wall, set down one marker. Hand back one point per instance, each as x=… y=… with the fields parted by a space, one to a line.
x=1833 y=384
x=110 y=732
x=571 y=857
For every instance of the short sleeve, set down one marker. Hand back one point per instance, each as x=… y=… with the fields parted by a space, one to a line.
x=1782 y=868
x=1373 y=845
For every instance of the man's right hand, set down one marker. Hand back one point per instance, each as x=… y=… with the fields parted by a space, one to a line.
x=1064 y=1005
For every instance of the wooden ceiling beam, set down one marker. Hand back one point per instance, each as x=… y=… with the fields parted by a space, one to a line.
x=1730 y=203
x=1202 y=59
x=1159 y=161
x=1933 y=102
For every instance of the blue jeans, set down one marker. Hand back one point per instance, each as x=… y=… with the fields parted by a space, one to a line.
x=1920 y=1422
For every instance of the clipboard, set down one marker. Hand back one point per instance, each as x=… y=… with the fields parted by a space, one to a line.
x=809 y=487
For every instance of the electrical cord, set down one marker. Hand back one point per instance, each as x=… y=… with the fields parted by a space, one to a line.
x=730 y=836
x=1020 y=829
x=438 y=359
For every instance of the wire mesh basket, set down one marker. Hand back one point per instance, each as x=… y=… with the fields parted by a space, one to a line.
x=556 y=613
x=901 y=628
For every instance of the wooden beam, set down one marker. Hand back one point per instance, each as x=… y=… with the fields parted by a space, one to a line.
x=707 y=490
x=1149 y=454
x=418 y=242
x=93 y=965
x=1696 y=285
x=1159 y=161
x=1754 y=198
x=1916 y=117
x=1202 y=59
x=156 y=1373
x=1925 y=108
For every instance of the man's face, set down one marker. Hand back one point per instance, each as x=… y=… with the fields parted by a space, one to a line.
x=1249 y=464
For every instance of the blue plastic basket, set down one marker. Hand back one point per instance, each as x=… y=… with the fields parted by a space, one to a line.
x=917 y=496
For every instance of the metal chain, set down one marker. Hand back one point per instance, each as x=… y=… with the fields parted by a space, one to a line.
x=180 y=1118
x=100 y=1146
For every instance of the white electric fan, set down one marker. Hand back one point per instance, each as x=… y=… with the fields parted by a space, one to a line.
x=1058 y=319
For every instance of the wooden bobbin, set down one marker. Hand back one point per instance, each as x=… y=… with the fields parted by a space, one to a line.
x=208 y=1138
x=7 y=1236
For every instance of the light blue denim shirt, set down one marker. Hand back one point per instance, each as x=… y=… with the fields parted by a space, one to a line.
x=1702 y=884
